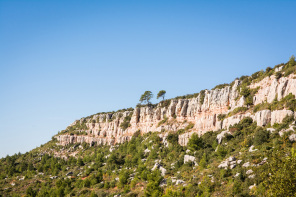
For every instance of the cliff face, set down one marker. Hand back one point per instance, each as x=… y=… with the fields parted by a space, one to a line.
x=200 y=113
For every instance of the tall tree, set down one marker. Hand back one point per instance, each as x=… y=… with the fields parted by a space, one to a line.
x=146 y=97
x=161 y=93
x=292 y=61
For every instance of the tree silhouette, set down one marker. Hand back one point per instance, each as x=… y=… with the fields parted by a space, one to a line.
x=145 y=98
x=161 y=93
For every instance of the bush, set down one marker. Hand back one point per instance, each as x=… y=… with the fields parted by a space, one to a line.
x=202 y=96
x=195 y=142
x=261 y=106
x=165 y=103
x=278 y=75
x=221 y=117
x=237 y=110
x=220 y=86
x=245 y=91
x=126 y=122
x=261 y=136
x=162 y=121
x=173 y=138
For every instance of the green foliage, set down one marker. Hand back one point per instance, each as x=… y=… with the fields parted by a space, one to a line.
x=221 y=117
x=165 y=119
x=292 y=61
x=146 y=97
x=220 y=86
x=237 y=110
x=123 y=178
x=195 y=142
x=203 y=161
x=189 y=126
x=153 y=188
x=245 y=91
x=126 y=122
x=279 y=174
x=278 y=75
x=96 y=169
x=261 y=136
x=202 y=96
x=165 y=103
x=173 y=138
x=30 y=192
x=288 y=102
x=261 y=106
x=161 y=93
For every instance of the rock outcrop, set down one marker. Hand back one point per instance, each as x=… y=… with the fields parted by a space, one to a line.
x=202 y=112
x=277 y=116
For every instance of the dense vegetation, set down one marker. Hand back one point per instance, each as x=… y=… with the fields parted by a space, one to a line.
x=126 y=168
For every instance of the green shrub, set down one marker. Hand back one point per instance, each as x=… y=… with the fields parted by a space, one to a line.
x=237 y=110
x=165 y=103
x=126 y=122
x=261 y=106
x=221 y=117
x=173 y=138
x=261 y=136
x=202 y=96
x=195 y=142
x=162 y=121
x=189 y=126
x=220 y=86
x=278 y=75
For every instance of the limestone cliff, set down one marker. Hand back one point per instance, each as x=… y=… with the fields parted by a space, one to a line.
x=195 y=115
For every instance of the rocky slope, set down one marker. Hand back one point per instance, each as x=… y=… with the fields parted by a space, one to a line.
x=194 y=115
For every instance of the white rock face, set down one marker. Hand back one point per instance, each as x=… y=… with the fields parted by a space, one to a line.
x=270 y=87
x=104 y=129
x=278 y=115
x=222 y=135
x=263 y=117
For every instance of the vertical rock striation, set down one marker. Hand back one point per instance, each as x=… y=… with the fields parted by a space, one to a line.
x=201 y=112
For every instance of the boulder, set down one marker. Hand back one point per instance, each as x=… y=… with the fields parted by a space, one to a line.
x=251 y=149
x=249 y=171
x=252 y=186
x=292 y=137
x=247 y=164
x=161 y=169
x=189 y=158
x=179 y=182
x=271 y=130
x=223 y=164
x=222 y=135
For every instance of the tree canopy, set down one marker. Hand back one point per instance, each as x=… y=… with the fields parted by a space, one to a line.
x=146 y=97
x=161 y=93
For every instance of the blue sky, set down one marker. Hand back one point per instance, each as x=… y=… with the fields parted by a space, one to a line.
x=63 y=60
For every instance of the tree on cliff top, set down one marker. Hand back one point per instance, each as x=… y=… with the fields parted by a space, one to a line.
x=161 y=93
x=146 y=97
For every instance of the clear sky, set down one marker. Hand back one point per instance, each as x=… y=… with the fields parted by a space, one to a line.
x=63 y=60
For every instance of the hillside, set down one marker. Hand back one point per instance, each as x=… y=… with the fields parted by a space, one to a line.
x=237 y=139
